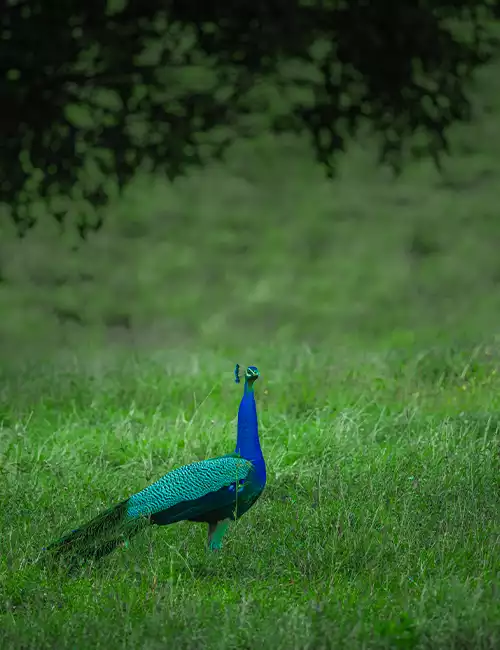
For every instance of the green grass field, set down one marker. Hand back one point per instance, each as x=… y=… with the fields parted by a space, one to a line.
x=379 y=528
x=370 y=306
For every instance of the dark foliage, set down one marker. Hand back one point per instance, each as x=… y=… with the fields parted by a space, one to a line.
x=91 y=89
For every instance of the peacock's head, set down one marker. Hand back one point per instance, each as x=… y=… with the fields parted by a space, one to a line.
x=251 y=374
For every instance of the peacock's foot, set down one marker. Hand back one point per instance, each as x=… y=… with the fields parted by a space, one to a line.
x=215 y=547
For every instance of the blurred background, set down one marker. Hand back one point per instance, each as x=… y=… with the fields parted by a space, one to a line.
x=262 y=246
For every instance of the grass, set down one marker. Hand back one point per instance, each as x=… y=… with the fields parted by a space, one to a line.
x=379 y=527
x=371 y=307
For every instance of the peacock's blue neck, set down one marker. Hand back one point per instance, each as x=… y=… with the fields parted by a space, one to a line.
x=247 y=441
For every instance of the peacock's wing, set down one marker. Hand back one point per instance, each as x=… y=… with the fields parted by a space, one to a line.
x=192 y=490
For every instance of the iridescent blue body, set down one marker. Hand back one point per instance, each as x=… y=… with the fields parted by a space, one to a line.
x=214 y=491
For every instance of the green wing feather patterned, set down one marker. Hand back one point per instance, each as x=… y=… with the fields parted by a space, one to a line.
x=188 y=483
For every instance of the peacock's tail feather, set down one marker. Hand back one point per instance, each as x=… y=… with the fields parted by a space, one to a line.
x=99 y=536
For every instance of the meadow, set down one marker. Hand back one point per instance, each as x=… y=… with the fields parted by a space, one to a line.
x=370 y=305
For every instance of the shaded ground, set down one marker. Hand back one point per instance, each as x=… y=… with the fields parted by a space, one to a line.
x=267 y=244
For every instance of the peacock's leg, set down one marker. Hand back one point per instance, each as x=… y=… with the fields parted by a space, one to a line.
x=216 y=533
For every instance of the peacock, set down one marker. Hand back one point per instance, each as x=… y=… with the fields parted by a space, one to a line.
x=214 y=491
